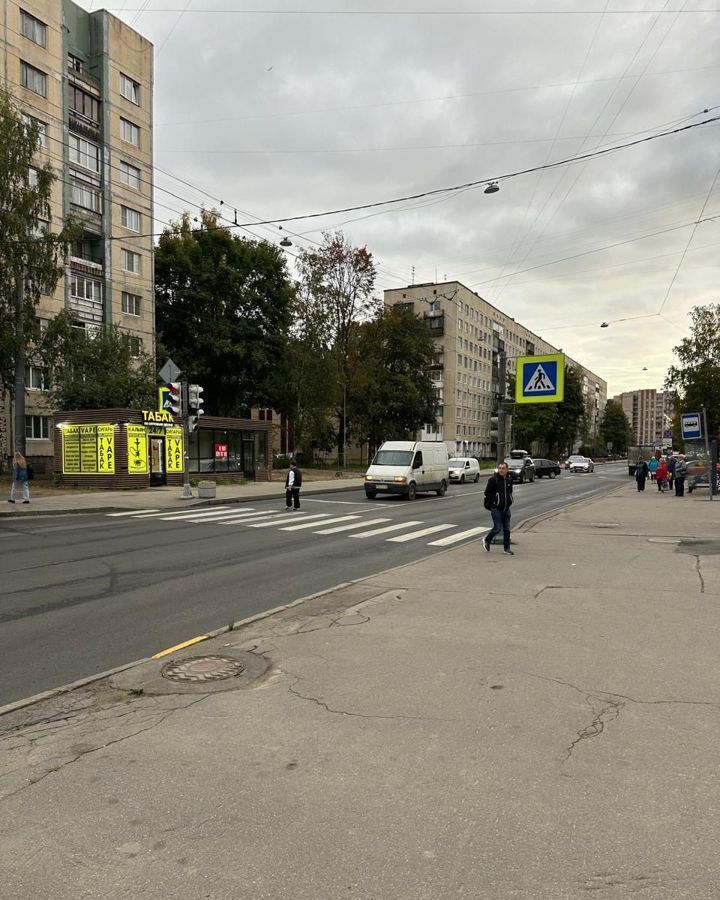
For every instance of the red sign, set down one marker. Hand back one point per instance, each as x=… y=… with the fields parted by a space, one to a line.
x=221 y=451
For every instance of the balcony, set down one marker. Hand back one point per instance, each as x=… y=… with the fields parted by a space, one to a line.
x=435 y=322
x=88 y=266
x=88 y=311
x=90 y=220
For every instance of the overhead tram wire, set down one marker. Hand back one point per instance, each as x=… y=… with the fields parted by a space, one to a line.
x=414 y=13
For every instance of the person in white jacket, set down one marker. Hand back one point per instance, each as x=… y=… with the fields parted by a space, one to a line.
x=293 y=483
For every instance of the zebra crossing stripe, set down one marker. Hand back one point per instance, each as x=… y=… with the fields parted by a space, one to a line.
x=315 y=524
x=248 y=516
x=374 y=531
x=199 y=516
x=418 y=534
x=454 y=538
x=180 y=512
x=293 y=517
x=132 y=512
x=348 y=527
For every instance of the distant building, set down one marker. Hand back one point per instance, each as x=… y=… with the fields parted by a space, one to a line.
x=468 y=333
x=650 y=414
x=86 y=79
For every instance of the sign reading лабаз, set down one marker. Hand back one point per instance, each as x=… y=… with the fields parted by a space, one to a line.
x=540 y=379
x=88 y=449
x=690 y=426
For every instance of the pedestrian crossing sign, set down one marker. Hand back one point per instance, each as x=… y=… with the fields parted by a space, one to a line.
x=540 y=379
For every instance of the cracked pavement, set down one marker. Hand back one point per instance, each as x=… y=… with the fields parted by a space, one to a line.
x=537 y=728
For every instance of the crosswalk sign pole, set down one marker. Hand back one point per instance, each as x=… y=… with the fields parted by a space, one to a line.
x=187 y=490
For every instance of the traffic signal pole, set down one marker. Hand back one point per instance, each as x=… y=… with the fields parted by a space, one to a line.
x=187 y=490
x=502 y=413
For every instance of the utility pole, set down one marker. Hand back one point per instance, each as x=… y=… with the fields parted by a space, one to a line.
x=20 y=366
x=712 y=471
x=502 y=414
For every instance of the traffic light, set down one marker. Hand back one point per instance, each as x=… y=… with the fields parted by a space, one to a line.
x=195 y=399
x=192 y=424
x=494 y=428
x=173 y=398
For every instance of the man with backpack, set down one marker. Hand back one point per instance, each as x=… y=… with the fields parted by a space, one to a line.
x=498 y=499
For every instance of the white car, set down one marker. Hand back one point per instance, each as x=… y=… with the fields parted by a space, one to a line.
x=581 y=464
x=464 y=468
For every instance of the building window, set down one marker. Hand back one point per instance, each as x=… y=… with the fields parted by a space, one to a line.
x=33 y=79
x=135 y=345
x=85 y=193
x=84 y=153
x=36 y=428
x=130 y=175
x=33 y=28
x=129 y=132
x=35 y=379
x=130 y=218
x=82 y=288
x=130 y=89
x=75 y=64
x=40 y=228
x=41 y=127
x=131 y=304
x=84 y=104
x=32 y=177
x=131 y=262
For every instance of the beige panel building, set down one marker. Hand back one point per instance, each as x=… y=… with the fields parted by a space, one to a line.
x=87 y=80
x=650 y=414
x=468 y=333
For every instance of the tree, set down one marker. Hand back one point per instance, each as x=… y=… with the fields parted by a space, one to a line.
x=695 y=381
x=555 y=425
x=391 y=394
x=95 y=372
x=222 y=310
x=615 y=427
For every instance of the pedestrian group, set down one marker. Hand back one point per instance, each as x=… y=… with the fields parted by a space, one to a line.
x=666 y=472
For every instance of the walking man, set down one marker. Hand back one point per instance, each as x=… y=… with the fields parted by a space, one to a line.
x=671 y=463
x=641 y=473
x=498 y=499
x=293 y=483
x=681 y=470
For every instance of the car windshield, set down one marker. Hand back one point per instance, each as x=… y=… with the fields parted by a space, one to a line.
x=393 y=458
x=515 y=463
x=457 y=463
x=577 y=459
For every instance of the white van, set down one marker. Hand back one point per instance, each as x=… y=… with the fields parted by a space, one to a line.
x=406 y=467
x=464 y=468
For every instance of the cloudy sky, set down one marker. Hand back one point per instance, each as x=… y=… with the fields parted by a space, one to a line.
x=288 y=107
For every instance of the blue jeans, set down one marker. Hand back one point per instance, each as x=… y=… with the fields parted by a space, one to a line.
x=501 y=522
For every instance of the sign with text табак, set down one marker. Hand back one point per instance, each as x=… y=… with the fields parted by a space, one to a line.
x=540 y=379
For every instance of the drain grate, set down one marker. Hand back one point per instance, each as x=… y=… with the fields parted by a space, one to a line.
x=199 y=669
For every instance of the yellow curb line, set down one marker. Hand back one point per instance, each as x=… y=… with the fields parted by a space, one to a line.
x=195 y=640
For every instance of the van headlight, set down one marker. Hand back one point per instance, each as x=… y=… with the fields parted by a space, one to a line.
x=399 y=479
x=369 y=478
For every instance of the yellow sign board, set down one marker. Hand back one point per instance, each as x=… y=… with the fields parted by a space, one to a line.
x=540 y=379
x=174 y=450
x=88 y=449
x=137 y=449
x=106 y=449
x=71 y=449
x=157 y=417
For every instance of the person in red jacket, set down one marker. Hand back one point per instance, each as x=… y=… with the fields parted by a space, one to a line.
x=661 y=475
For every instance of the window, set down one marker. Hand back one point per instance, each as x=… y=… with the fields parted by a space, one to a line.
x=84 y=104
x=131 y=304
x=82 y=288
x=75 y=64
x=33 y=79
x=33 y=28
x=131 y=262
x=36 y=428
x=129 y=132
x=40 y=229
x=85 y=193
x=32 y=177
x=135 y=345
x=130 y=175
x=35 y=379
x=84 y=153
x=130 y=89
x=41 y=127
x=130 y=218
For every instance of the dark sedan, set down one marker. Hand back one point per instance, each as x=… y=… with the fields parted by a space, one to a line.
x=521 y=470
x=546 y=467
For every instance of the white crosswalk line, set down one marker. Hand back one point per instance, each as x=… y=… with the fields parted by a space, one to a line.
x=180 y=512
x=246 y=516
x=414 y=535
x=132 y=512
x=375 y=531
x=315 y=524
x=200 y=516
x=347 y=527
x=292 y=517
x=454 y=538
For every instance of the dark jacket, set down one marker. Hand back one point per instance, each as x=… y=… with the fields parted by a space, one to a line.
x=298 y=477
x=498 y=492
x=641 y=470
x=671 y=463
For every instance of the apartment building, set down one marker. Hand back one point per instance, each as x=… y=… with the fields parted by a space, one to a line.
x=468 y=334
x=650 y=414
x=86 y=79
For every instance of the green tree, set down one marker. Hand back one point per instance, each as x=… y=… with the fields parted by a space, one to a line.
x=391 y=393
x=615 y=428
x=95 y=372
x=29 y=253
x=556 y=426
x=695 y=381
x=222 y=311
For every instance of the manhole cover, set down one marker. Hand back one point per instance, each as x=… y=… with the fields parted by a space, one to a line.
x=198 y=669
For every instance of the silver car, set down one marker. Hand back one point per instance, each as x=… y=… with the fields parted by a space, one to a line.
x=581 y=464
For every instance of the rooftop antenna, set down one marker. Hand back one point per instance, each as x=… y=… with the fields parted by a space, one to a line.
x=413 y=275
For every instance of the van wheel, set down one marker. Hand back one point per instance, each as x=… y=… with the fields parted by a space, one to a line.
x=462 y=479
x=477 y=478
x=442 y=489
x=412 y=491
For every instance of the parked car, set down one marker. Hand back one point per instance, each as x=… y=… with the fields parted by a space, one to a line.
x=546 y=467
x=698 y=474
x=581 y=464
x=521 y=469
x=464 y=468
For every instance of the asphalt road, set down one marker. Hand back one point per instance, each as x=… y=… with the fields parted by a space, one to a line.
x=85 y=593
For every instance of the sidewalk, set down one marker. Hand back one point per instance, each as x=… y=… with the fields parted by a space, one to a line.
x=541 y=727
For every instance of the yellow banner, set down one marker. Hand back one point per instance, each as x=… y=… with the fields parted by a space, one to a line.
x=106 y=449
x=174 y=450
x=137 y=449
x=71 y=449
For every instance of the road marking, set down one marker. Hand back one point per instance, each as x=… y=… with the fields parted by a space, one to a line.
x=195 y=640
x=375 y=531
x=339 y=502
x=198 y=516
x=454 y=538
x=418 y=534
x=282 y=518
x=133 y=512
x=246 y=516
x=179 y=512
x=348 y=527
x=315 y=524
